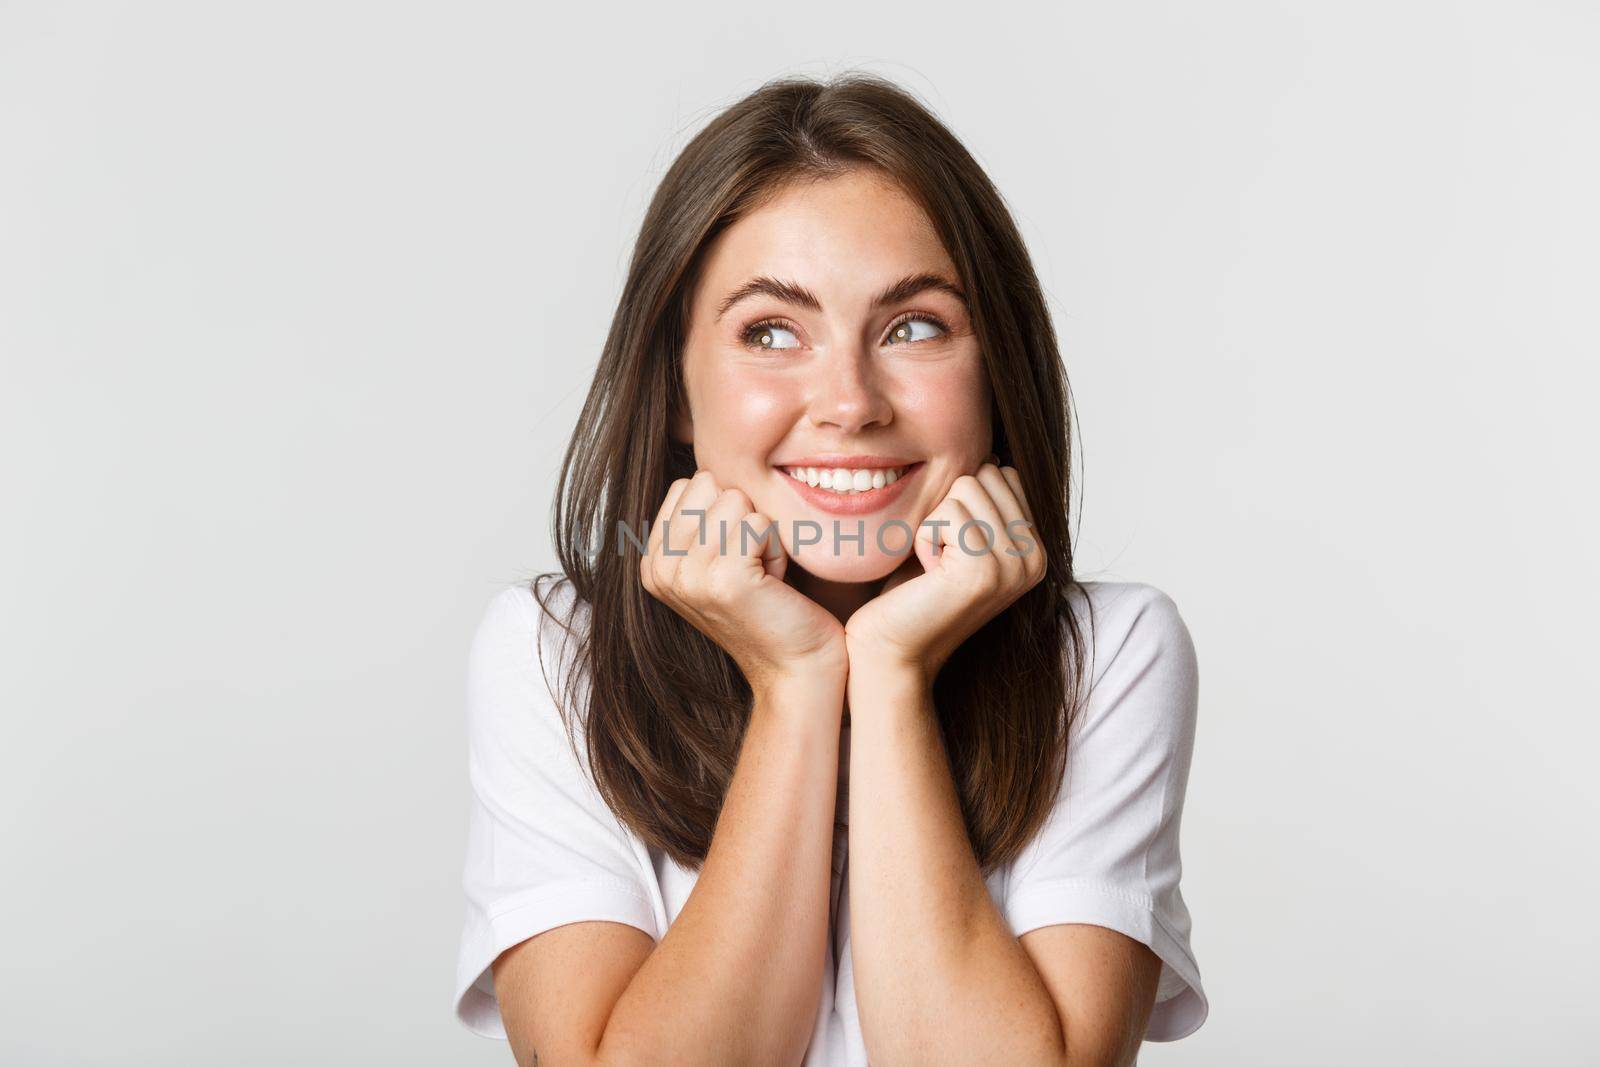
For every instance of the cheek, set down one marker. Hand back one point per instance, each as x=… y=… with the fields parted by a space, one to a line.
x=745 y=415
x=949 y=406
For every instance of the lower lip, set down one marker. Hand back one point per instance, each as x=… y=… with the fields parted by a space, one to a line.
x=851 y=503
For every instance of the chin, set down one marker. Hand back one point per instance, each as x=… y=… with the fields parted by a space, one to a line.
x=849 y=567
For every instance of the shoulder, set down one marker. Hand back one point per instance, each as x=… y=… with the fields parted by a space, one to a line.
x=522 y=652
x=525 y=618
x=1141 y=655
x=529 y=605
x=1127 y=619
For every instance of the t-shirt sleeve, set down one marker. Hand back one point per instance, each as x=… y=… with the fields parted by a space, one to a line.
x=1108 y=854
x=543 y=850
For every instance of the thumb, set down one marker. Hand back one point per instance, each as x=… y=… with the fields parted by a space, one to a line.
x=774 y=560
x=941 y=523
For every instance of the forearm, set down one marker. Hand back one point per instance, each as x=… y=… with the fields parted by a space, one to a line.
x=939 y=976
x=737 y=977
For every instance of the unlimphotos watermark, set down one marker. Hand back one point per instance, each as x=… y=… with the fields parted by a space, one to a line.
x=809 y=534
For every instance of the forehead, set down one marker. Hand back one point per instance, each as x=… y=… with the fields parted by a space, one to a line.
x=843 y=237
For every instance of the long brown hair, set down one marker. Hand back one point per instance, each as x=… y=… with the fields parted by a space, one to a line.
x=666 y=708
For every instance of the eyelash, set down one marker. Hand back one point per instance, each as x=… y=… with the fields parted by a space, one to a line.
x=910 y=316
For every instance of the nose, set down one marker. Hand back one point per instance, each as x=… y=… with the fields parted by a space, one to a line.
x=849 y=395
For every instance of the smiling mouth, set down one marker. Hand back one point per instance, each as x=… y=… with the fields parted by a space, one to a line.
x=847 y=481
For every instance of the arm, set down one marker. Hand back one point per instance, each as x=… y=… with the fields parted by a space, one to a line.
x=738 y=975
x=939 y=976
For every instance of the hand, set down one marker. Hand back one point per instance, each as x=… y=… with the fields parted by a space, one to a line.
x=738 y=597
x=941 y=595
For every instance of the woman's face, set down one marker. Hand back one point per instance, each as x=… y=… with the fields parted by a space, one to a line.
x=806 y=354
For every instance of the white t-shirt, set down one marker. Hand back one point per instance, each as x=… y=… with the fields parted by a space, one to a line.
x=543 y=850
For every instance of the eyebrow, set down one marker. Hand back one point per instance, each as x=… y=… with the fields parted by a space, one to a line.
x=799 y=295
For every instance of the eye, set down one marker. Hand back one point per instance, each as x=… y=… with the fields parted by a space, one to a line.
x=764 y=335
x=901 y=333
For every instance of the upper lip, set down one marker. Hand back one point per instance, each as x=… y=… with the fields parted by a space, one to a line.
x=834 y=459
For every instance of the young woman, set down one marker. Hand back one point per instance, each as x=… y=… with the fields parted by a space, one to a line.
x=837 y=761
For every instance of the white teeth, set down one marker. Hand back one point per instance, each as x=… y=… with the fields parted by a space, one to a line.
x=846 y=480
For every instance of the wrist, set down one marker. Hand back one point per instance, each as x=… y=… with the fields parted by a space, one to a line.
x=884 y=674
x=812 y=688
x=886 y=662
x=885 y=694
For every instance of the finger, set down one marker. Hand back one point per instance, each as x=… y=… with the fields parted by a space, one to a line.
x=974 y=495
x=722 y=524
x=936 y=534
x=1014 y=543
x=669 y=506
x=675 y=531
x=763 y=539
x=1004 y=497
x=651 y=557
x=1026 y=539
x=1014 y=479
x=683 y=530
x=751 y=537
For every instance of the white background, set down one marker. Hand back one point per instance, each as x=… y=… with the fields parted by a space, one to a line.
x=297 y=305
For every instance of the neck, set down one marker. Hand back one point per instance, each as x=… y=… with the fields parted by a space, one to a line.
x=841 y=599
